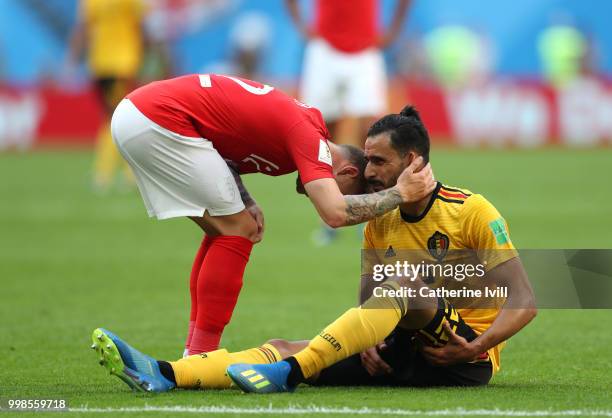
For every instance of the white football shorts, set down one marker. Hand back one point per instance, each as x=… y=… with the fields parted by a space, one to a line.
x=341 y=84
x=176 y=175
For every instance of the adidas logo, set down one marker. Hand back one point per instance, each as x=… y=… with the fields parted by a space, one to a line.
x=390 y=252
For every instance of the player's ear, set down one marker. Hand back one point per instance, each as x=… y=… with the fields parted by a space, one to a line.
x=409 y=158
x=348 y=170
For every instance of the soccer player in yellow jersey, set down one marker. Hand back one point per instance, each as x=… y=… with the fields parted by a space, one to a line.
x=111 y=33
x=462 y=347
x=389 y=340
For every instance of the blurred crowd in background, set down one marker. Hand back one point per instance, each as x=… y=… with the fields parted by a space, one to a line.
x=518 y=73
x=440 y=38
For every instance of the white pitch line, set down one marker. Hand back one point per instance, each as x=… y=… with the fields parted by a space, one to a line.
x=323 y=410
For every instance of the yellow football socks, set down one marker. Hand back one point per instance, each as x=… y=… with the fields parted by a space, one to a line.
x=355 y=331
x=107 y=158
x=207 y=370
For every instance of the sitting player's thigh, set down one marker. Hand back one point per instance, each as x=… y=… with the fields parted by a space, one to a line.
x=348 y=372
x=410 y=368
x=433 y=333
x=176 y=175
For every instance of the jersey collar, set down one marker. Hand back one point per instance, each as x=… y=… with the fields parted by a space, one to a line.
x=413 y=219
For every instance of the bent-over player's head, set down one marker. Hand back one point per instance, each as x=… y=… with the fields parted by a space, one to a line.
x=392 y=143
x=348 y=166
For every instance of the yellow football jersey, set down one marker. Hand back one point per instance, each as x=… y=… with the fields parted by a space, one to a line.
x=454 y=219
x=114 y=33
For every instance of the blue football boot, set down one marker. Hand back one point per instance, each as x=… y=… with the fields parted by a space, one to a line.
x=261 y=378
x=139 y=371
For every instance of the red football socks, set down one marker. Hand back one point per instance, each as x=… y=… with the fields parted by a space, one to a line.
x=218 y=286
x=193 y=285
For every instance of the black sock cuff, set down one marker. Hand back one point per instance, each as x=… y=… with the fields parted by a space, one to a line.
x=295 y=375
x=167 y=371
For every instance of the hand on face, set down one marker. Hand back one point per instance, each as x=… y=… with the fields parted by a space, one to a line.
x=415 y=183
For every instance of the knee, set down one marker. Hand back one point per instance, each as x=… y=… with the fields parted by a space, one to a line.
x=241 y=224
x=246 y=227
x=249 y=229
x=409 y=283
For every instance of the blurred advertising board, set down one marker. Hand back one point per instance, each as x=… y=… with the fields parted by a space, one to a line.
x=515 y=113
x=47 y=116
x=502 y=113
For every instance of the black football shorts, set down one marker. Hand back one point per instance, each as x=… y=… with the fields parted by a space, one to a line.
x=409 y=366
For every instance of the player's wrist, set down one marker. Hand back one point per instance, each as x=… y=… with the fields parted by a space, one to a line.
x=404 y=197
x=477 y=347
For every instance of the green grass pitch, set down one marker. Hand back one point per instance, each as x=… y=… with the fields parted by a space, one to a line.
x=71 y=261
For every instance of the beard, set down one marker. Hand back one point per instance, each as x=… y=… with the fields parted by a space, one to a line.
x=374 y=186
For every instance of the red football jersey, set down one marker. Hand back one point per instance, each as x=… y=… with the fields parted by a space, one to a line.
x=255 y=125
x=348 y=25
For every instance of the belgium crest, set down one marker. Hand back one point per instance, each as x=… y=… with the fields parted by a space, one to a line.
x=437 y=245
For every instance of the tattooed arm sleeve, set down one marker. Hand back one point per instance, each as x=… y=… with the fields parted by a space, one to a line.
x=360 y=208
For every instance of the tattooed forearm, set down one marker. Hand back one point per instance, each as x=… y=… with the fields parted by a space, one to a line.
x=244 y=193
x=361 y=208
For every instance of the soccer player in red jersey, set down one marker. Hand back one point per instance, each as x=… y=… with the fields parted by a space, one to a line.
x=344 y=69
x=183 y=137
x=343 y=73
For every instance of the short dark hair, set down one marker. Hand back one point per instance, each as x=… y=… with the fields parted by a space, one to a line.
x=406 y=131
x=355 y=156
